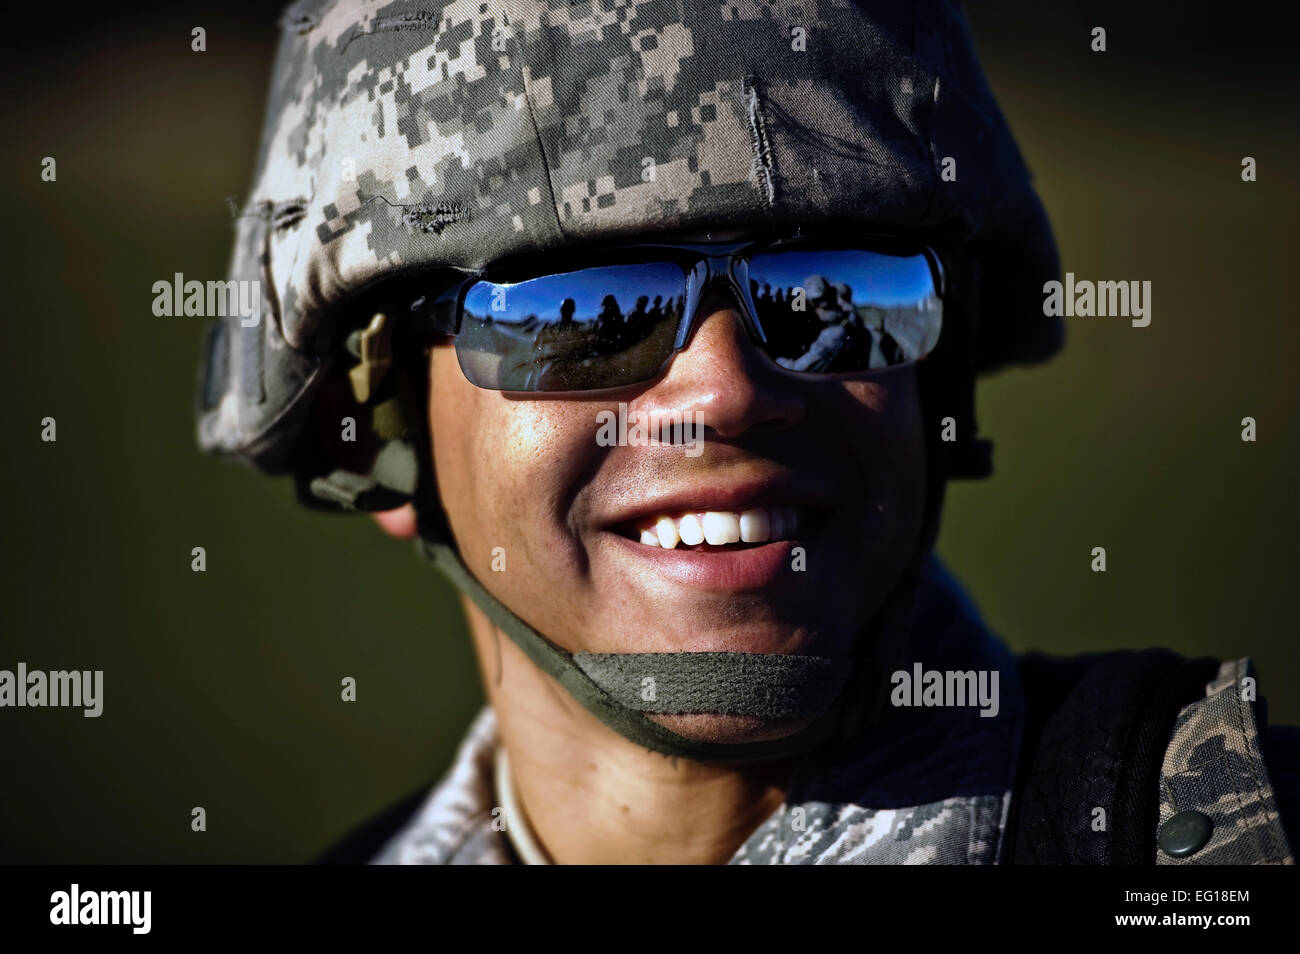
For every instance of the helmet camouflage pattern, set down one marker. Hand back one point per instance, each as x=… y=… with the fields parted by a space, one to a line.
x=403 y=136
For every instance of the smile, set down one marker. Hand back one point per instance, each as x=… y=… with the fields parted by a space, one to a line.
x=722 y=535
x=719 y=528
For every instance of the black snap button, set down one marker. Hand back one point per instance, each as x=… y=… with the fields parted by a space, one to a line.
x=1185 y=834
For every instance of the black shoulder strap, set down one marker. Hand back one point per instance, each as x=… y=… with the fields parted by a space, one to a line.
x=1096 y=730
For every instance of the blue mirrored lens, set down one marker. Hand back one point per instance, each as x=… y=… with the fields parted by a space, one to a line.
x=593 y=328
x=845 y=310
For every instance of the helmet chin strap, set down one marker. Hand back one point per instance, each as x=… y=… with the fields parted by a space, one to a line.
x=624 y=689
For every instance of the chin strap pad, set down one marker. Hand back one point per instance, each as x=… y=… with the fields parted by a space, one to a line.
x=767 y=685
x=614 y=687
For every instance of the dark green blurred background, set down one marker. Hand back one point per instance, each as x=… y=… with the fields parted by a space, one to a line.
x=222 y=688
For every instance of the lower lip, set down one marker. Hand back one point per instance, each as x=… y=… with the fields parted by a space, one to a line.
x=748 y=569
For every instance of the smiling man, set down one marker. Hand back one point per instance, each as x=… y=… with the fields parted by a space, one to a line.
x=486 y=230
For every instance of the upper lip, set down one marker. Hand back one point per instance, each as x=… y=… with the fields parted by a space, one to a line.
x=703 y=494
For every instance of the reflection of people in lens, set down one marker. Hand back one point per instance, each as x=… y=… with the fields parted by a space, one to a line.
x=567 y=308
x=609 y=310
x=849 y=337
x=637 y=322
x=885 y=349
x=844 y=295
x=841 y=336
x=790 y=328
x=637 y=315
x=609 y=325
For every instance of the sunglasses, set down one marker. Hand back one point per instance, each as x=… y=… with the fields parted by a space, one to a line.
x=617 y=316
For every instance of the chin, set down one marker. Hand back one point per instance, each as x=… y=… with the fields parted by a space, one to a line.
x=711 y=727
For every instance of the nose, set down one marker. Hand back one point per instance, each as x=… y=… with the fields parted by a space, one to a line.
x=722 y=376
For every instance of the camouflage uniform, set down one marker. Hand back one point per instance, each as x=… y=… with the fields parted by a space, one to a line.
x=927 y=786
x=1215 y=764
x=453 y=133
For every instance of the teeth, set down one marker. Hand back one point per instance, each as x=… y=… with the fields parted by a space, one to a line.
x=755 y=526
x=721 y=527
x=665 y=534
x=690 y=529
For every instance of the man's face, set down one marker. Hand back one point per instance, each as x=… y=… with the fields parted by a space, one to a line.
x=844 y=454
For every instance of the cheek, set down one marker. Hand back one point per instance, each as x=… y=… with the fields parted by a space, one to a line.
x=453 y=414
x=885 y=430
x=503 y=465
x=885 y=416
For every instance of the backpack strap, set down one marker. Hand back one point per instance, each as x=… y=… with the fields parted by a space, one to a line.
x=1096 y=730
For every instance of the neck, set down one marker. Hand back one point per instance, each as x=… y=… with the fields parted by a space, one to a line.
x=593 y=797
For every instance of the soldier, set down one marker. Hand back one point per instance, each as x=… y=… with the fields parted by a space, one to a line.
x=567 y=308
x=840 y=337
x=750 y=655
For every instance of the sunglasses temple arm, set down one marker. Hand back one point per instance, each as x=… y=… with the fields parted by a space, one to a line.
x=441 y=317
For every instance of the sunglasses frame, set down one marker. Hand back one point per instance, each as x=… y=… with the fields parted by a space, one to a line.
x=707 y=265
